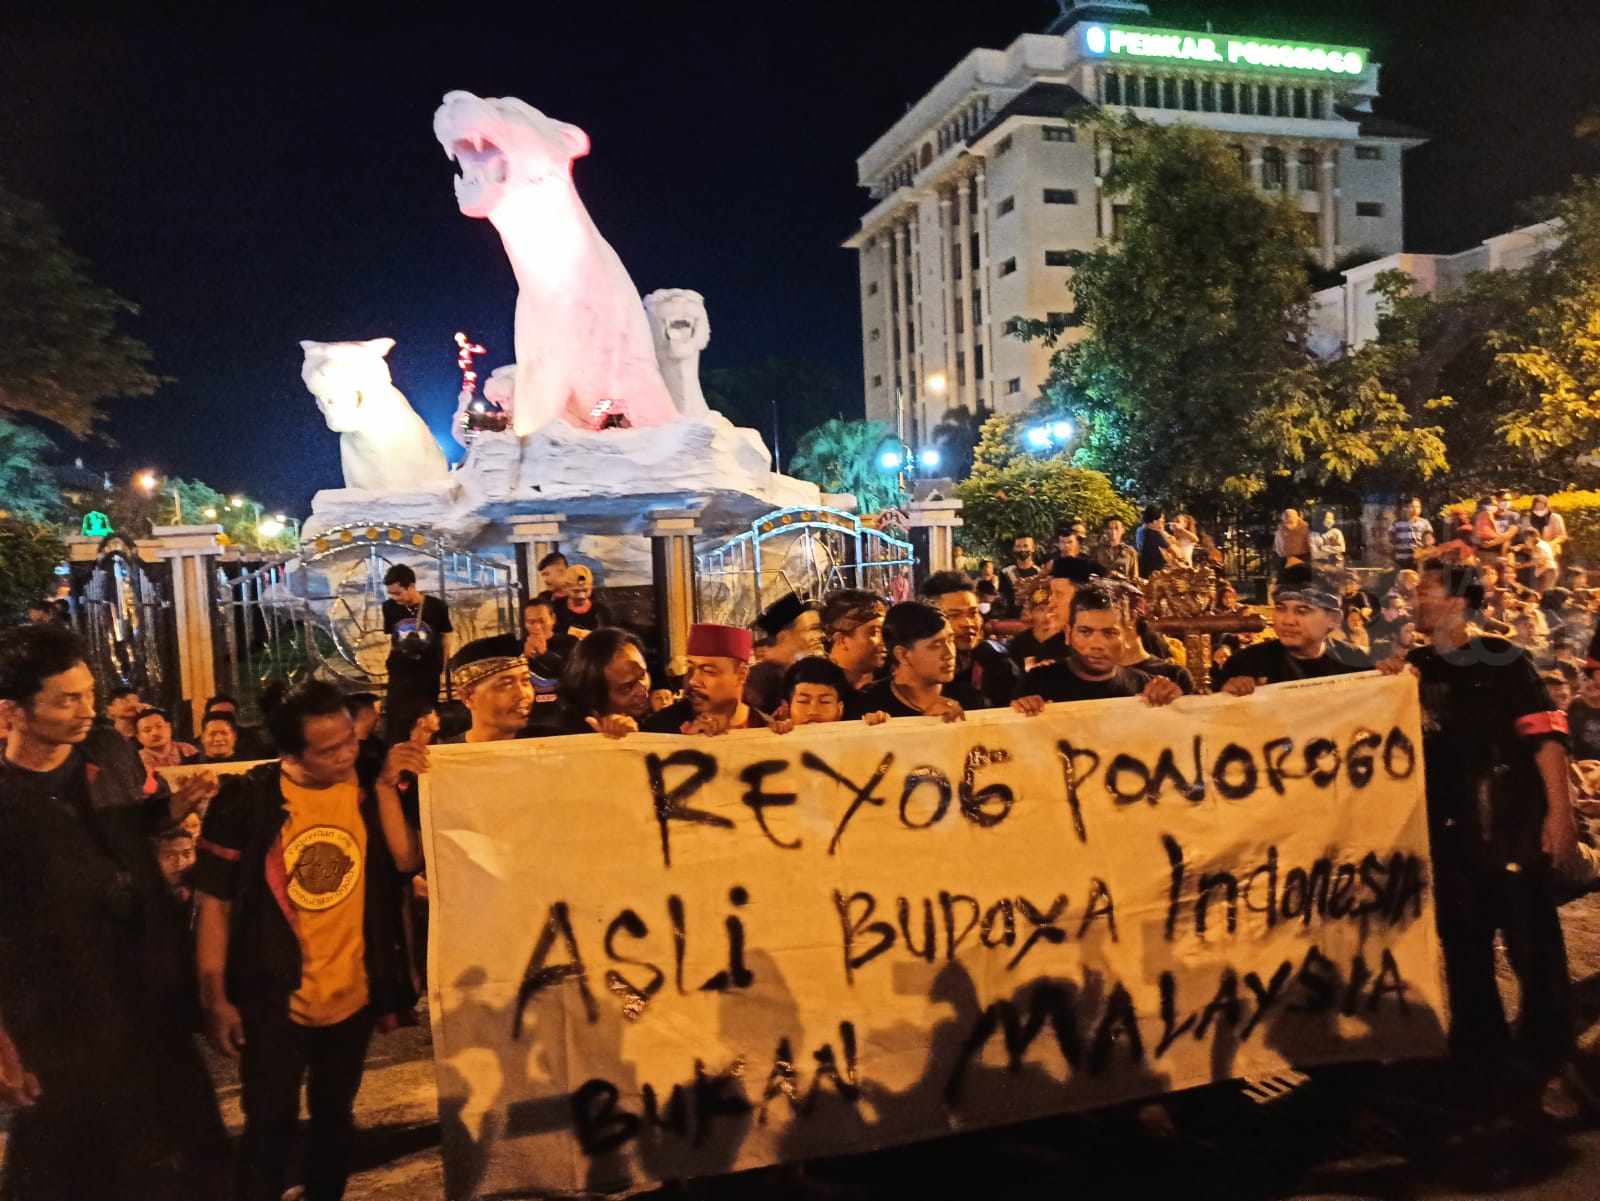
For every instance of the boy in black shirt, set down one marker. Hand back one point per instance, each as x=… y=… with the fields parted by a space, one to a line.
x=1091 y=672
x=1305 y=613
x=1501 y=823
x=922 y=668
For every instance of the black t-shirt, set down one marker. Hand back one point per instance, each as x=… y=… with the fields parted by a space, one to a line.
x=546 y=671
x=989 y=674
x=1270 y=662
x=880 y=697
x=1027 y=645
x=433 y=613
x=1484 y=714
x=1151 y=543
x=597 y=616
x=675 y=716
x=1168 y=670
x=763 y=685
x=1057 y=682
x=1583 y=724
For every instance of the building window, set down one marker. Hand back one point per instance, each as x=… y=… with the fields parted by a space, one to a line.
x=1005 y=206
x=1060 y=196
x=1264 y=101
x=872 y=288
x=1284 y=107
x=1058 y=258
x=961 y=369
x=1007 y=267
x=1119 y=220
x=877 y=381
x=875 y=335
x=1302 y=108
x=1060 y=133
x=1208 y=96
x=1191 y=96
x=977 y=364
x=972 y=201
x=1369 y=154
x=1013 y=386
x=977 y=306
x=1152 y=92
x=1319 y=105
x=1225 y=98
x=973 y=258
x=1002 y=146
x=1307 y=171
x=1272 y=169
x=955 y=263
x=1169 y=92
x=960 y=318
x=1247 y=99
x=1113 y=88
x=1368 y=208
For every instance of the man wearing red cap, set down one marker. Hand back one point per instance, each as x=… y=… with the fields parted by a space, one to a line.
x=719 y=661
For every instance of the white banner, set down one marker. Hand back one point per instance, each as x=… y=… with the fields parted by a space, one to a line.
x=672 y=957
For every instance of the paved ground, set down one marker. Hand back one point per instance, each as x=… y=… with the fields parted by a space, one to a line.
x=1394 y=1137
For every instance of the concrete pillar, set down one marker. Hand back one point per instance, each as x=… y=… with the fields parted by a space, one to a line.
x=83 y=549
x=980 y=322
x=941 y=518
x=949 y=232
x=902 y=359
x=192 y=551
x=534 y=538
x=968 y=391
x=672 y=533
x=1328 y=226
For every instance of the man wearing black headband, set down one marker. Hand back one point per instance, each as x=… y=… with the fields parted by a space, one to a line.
x=491 y=674
x=1305 y=612
x=793 y=629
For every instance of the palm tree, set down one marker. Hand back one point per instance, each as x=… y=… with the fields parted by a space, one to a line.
x=844 y=456
x=956 y=436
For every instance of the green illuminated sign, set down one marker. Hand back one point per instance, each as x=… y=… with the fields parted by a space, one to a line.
x=95 y=524
x=1177 y=45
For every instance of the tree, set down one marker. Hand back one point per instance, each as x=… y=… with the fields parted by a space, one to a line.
x=28 y=488
x=777 y=395
x=956 y=437
x=61 y=353
x=1195 y=321
x=843 y=456
x=1012 y=492
x=29 y=553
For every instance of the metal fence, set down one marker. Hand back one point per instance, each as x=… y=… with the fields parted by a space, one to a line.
x=122 y=609
x=321 y=614
x=808 y=551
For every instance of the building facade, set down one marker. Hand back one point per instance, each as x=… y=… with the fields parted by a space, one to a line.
x=986 y=186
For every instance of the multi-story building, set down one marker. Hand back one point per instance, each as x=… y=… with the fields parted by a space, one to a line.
x=986 y=185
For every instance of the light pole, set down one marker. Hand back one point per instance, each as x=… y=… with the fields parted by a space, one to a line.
x=149 y=482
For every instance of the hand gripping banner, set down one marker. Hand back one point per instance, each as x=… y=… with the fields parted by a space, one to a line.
x=673 y=957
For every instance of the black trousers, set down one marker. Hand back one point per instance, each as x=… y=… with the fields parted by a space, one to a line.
x=278 y=1054
x=1474 y=903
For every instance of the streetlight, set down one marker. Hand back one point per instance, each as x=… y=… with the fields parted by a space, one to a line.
x=937 y=384
x=928 y=458
x=210 y=512
x=1049 y=435
x=891 y=458
x=148 y=481
x=270 y=527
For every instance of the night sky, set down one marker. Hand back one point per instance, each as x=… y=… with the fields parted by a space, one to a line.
x=252 y=180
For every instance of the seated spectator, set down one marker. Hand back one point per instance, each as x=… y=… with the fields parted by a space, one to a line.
x=1353 y=595
x=156 y=745
x=1560 y=690
x=219 y=738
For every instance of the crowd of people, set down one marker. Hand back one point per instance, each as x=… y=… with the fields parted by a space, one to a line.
x=285 y=921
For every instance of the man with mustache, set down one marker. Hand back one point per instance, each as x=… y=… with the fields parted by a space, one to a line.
x=713 y=687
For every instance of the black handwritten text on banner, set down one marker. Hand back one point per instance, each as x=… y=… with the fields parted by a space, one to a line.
x=675 y=957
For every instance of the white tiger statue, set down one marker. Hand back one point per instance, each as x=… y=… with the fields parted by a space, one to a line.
x=383 y=445
x=681 y=330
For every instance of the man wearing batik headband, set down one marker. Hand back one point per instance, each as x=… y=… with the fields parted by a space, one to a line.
x=491 y=675
x=852 y=619
x=1305 y=612
x=793 y=628
x=719 y=661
